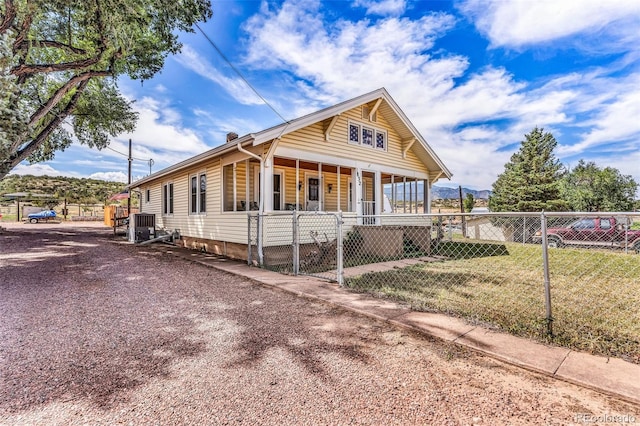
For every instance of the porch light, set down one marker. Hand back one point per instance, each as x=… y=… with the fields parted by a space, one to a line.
x=330 y=187
x=299 y=185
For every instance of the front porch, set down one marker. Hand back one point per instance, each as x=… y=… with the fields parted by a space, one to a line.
x=301 y=185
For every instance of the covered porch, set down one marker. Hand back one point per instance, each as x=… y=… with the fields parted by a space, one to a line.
x=303 y=185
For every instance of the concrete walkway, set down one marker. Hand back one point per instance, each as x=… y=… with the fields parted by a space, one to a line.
x=612 y=376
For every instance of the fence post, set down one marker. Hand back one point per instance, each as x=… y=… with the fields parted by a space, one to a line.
x=296 y=244
x=627 y=225
x=547 y=281
x=260 y=239
x=524 y=230
x=340 y=252
x=249 y=239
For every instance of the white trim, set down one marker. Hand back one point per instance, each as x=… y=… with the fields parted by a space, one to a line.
x=349 y=194
x=327 y=132
x=373 y=111
x=198 y=176
x=374 y=132
x=171 y=195
x=407 y=146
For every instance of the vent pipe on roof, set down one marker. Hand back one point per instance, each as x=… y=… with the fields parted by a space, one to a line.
x=231 y=136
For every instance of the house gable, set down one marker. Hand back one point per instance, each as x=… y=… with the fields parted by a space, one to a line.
x=313 y=140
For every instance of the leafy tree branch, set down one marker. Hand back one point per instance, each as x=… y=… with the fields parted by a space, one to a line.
x=60 y=60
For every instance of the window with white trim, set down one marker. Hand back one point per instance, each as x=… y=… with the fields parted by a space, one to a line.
x=198 y=194
x=167 y=198
x=367 y=136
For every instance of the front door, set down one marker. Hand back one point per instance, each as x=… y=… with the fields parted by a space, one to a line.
x=313 y=194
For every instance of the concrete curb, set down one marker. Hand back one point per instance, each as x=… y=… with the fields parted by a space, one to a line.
x=611 y=376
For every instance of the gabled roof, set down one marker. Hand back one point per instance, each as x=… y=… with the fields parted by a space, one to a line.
x=388 y=107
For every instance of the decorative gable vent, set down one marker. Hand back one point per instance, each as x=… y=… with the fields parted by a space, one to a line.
x=366 y=111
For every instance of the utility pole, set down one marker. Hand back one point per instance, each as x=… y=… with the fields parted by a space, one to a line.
x=129 y=199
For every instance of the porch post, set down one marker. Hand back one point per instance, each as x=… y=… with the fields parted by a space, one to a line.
x=247 y=201
x=235 y=189
x=393 y=194
x=411 y=197
x=378 y=201
x=268 y=184
x=404 y=194
x=427 y=196
x=356 y=179
x=338 y=178
x=297 y=186
x=320 y=189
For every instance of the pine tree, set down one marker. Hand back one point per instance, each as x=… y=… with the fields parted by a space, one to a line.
x=531 y=179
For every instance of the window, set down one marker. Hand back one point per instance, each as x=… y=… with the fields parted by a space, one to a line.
x=314 y=189
x=277 y=191
x=235 y=182
x=194 y=194
x=354 y=133
x=381 y=140
x=585 y=224
x=198 y=194
x=203 y=193
x=605 y=223
x=367 y=136
x=167 y=198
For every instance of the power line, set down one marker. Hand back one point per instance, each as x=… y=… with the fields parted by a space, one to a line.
x=125 y=155
x=240 y=75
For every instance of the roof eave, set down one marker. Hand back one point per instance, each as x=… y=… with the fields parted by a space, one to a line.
x=191 y=161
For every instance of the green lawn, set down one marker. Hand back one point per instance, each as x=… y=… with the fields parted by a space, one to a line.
x=595 y=294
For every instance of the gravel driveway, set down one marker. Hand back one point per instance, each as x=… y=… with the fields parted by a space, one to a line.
x=94 y=330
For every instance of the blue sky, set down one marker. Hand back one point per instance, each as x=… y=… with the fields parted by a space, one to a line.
x=473 y=76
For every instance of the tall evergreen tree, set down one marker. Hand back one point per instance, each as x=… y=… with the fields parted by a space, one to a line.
x=531 y=179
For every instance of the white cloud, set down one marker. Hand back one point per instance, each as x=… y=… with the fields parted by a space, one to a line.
x=383 y=7
x=613 y=118
x=110 y=176
x=159 y=133
x=335 y=61
x=346 y=58
x=521 y=23
x=235 y=87
x=37 y=170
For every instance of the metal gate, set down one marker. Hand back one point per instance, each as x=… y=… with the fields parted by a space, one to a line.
x=298 y=243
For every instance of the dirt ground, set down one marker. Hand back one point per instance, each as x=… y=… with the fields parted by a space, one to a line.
x=96 y=331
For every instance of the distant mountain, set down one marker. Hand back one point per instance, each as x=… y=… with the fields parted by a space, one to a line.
x=446 y=192
x=442 y=192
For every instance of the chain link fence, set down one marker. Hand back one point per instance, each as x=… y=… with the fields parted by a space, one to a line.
x=305 y=243
x=571 y=279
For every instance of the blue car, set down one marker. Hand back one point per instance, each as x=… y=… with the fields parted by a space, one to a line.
x=44 y=215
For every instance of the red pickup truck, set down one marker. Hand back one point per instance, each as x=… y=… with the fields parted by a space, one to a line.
x=606 y=232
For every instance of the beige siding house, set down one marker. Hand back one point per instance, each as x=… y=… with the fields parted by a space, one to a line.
x=354 y=157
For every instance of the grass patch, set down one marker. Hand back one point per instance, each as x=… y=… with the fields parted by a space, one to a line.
x=594 y=294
